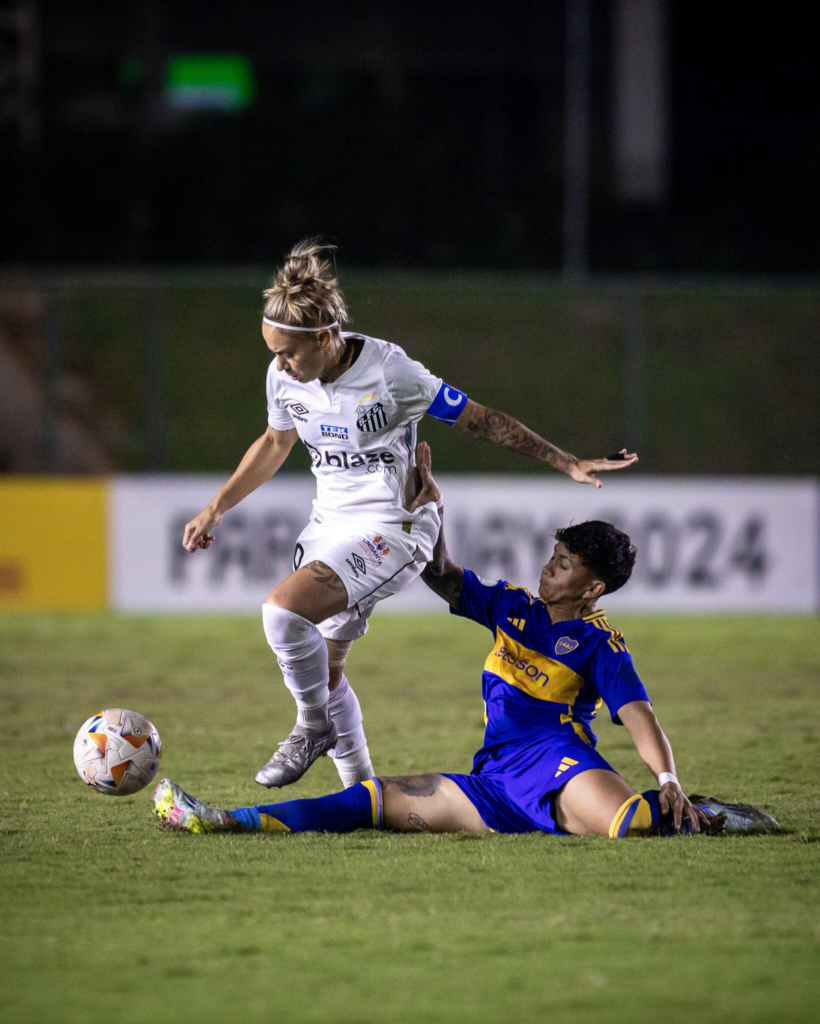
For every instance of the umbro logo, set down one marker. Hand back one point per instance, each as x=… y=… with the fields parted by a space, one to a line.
x=299 y=409
x=565 y=645
x=566 y=762
x=357 y=566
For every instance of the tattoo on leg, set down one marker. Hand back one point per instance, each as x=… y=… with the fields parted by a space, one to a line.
x=417 y=823
x=414 y=785
x=324 y=574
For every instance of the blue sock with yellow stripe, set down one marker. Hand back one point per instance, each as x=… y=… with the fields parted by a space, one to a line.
x=641 y=815
x=664 y=824
x=360 y=806
x=635 y=817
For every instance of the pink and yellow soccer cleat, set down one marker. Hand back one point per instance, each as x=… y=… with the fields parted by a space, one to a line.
x=176 y=809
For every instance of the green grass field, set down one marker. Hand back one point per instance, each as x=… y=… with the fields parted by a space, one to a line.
x=106 y=918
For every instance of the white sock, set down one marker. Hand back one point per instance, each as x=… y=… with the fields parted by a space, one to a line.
x=350 y=755
x=302 y=655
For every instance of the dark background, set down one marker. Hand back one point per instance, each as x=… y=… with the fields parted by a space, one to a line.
x=606 y=226
x=421 y=134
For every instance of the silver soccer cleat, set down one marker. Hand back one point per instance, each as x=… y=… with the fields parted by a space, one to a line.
x=295 y=755
x=737 y=817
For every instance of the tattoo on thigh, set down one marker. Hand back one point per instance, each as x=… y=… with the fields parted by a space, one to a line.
x=324 y=574
x=417 y=823
x=415 y=785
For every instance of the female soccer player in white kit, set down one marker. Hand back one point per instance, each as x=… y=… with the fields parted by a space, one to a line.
x=354 y=401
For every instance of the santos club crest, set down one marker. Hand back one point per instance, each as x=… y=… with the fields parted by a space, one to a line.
x=371 y=415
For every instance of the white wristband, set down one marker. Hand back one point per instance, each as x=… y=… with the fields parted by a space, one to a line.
x=665 y=777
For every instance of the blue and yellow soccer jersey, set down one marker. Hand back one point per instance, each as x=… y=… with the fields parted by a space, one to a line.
x=542 y=686
x=542 y=679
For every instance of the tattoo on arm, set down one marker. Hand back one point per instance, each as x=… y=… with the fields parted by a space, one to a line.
x=442 y=575
x=445 y=580
x=500 y=429
x=417 y=824
x=324 y=574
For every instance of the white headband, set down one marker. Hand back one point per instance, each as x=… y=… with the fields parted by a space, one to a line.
x=288 y=327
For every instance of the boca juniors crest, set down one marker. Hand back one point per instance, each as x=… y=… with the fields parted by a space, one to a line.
x=370 y=416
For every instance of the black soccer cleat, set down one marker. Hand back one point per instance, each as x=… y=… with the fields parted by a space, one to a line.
x=736 y=817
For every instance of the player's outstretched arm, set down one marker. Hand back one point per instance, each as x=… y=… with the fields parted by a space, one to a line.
x=441 y=574
x=500 y=429
x=656 y=753
x=264 y=457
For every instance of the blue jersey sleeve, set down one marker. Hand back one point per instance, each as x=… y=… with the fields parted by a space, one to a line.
x=448 y=404
x=614 y=677
x=481 y=600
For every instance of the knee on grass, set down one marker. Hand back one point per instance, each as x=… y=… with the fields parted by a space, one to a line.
x=634 y=817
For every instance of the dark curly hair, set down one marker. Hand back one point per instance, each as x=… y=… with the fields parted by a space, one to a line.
x=603 y=549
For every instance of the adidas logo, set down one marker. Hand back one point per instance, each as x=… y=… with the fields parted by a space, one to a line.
x=566 y=762
x=518 y=623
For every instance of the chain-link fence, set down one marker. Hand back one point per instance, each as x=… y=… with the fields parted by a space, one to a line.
x=165 y=370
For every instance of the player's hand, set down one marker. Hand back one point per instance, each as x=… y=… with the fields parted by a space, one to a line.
x=428 y=489
x=584 y=470
x=672 y=798
x=198 y=532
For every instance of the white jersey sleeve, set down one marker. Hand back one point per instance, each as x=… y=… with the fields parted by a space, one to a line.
x=278 y=416
x=411 y=385
x=418 y=391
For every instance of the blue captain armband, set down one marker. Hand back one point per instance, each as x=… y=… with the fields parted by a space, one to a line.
x=448 y=404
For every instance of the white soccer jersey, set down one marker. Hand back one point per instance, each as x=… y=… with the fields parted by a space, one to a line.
x=360 y=430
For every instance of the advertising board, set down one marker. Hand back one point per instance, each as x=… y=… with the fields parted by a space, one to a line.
x=53 y=552
x=704 y=544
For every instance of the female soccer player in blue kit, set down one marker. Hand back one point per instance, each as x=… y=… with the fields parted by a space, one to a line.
x=555 y=659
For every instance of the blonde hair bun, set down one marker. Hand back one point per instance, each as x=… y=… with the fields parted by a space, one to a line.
x=305 y=291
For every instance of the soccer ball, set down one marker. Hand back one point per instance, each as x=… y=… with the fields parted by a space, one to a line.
x=117 y=752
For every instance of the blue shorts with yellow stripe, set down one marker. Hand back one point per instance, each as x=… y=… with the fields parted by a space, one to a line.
x=515 y=790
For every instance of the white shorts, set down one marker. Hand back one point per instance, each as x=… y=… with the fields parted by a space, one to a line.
x=373 y=561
